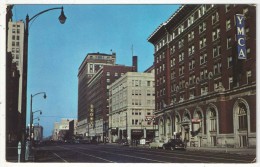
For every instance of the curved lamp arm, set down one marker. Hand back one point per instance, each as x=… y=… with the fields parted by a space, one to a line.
x=62 y=17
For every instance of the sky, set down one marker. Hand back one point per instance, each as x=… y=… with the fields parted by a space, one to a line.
x=57 y=50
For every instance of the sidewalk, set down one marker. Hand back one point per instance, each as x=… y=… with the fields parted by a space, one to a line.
x=243 y=151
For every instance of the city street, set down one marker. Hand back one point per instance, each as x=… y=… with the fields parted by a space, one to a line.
x=113 y=153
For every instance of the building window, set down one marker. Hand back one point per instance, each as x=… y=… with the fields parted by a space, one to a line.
x=228 y=8
x=217 y=85
x=203 y=58
x=215 y=18
x=181 y=70
x=229 y=44
x=228 y=24
x=18 y=31
x=181 y=29
x=202 y=11
x=116 y=74
x=204 y=90
x=108 y=80
x=202 y=42
x=230 y=82
x=172 y=62
x=247 y=33
x=242 y=117
x=191 y=50
x=191 y=64
x=203 y=74
x=190 y=20
x=181 y=56
x=216 y=51
x=248 y=51
x=202 y=27
x=172 y=49
x=181 y=43
x=249 y=77
x=217 y=68
x=215 y=34
x=108 y=73
x=191 y=36
x=213 y=120
x=17 y=43
x=229 y=59
x=192 y=79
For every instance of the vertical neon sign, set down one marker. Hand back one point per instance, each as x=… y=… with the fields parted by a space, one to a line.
x=241 y=41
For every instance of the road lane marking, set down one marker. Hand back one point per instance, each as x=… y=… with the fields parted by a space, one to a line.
x=87 y=154
x=59 y=157
x=126 y=155
x=93 y=156
x=211 y=159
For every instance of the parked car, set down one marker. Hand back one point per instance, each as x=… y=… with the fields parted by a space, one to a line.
x=123 y=142
x=174 y=144
x=156 y=144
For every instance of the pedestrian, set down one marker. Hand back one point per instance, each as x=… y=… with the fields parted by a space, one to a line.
x=27 y=151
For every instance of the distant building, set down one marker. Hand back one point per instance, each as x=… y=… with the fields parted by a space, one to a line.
x=12 y=114
x=13 y=131
x=97 y=99
x=131 y=107
x=61 y=129
x=204 y=90
x=37 y=133
x=15 y=45
x=88 y=68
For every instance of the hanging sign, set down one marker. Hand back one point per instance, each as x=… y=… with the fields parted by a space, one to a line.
x=241 y=41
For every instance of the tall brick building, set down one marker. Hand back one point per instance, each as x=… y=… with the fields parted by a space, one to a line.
x=88 y=68
x=204 y=93
x=96 y=72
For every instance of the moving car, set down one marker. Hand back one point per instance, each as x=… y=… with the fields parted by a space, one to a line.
x=174 y=144
x=156 y=144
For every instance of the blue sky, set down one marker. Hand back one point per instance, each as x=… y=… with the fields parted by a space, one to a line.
x=56 y=51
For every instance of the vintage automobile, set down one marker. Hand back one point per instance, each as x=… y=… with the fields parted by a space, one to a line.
x=156 y=144
x=174 y=144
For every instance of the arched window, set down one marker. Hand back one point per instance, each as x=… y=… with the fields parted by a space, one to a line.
x=242 y=117
x=213 y=120
x=197 y=122
x=161 y=128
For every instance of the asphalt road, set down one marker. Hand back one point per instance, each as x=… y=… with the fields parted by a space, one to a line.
x=112 y=153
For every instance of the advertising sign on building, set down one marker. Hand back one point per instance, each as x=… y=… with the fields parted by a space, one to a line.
x=241 y=41
x=91 y=115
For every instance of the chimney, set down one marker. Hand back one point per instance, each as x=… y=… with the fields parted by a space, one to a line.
x=135 y=67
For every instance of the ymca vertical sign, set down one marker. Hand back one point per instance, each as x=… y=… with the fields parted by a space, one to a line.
x=241 y=41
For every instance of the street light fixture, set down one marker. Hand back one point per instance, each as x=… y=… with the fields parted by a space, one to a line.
x=31 y=112
x=38 y=111
x=62 y=19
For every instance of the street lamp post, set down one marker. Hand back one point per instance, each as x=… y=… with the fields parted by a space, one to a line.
x=62 y=19
x=31 y=113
